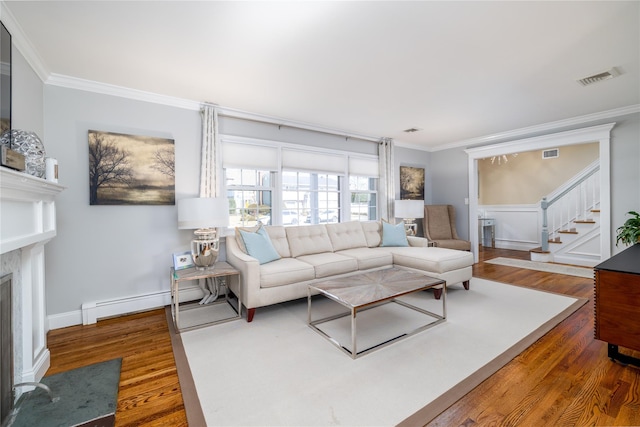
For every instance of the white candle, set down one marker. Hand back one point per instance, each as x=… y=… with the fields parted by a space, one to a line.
x=51 y=169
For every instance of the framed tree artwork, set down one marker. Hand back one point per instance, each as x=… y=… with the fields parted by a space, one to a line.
x=411 y=183
x=131 y=169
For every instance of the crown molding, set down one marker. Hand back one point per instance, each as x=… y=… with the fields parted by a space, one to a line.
x=408 y=145
x=543 y=128
x=560 y=139
x=22 y=43
x=120 y=91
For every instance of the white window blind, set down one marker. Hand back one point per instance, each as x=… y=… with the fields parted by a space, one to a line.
x=249 y=156
x=313 y=161
x=363 y=167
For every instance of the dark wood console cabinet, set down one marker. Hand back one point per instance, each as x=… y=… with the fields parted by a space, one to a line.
x=617 y=303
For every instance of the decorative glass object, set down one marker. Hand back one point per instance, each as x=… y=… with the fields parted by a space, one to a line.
x=30 y=146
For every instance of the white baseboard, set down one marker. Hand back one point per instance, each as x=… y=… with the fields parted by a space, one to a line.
x=62 y=320
x=573 y=260
x=92 y=311
x=516 y=246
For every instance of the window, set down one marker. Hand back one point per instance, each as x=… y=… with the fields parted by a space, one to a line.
x=311 y=198
x=284 y=184
x=250 y=194
x=364 y=198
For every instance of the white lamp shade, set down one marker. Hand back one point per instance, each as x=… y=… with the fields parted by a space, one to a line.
x=203 y=212
x=409 y=209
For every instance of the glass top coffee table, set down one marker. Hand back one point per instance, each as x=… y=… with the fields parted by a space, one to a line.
x=370 y=290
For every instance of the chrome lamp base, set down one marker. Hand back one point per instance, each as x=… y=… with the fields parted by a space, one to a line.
x=205 y=248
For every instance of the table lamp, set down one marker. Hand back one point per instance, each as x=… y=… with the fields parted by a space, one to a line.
x=409 y=210
x=204 y=214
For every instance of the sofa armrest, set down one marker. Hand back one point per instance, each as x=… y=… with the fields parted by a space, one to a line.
x=249 y=267
x=418 y=241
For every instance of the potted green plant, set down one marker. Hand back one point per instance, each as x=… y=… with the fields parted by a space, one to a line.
x=629 y=232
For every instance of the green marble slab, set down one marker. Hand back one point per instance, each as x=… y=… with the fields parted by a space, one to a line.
x=86 y=396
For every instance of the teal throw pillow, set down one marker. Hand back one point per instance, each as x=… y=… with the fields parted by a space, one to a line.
x=259 y=245
x=393 y=235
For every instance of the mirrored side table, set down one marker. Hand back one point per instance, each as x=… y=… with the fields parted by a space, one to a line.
x=487 y=232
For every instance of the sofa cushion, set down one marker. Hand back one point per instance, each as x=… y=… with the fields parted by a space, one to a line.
x=279 y=239
x=258 y=245
x=307 y=240
x=239 y=239
x=285 y=271
x=393 y=235
x=329 y=264
x=372 y=233
x=369 y=257
x=346 y=235
x=437 y=260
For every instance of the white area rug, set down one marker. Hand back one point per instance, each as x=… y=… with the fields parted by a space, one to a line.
x=544 y=266
x=278 y=371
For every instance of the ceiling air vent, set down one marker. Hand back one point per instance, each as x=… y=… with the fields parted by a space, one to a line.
x=411 y=130
x=605 y=75
x=551 y=154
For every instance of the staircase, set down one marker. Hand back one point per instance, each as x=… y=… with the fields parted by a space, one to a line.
x=571 y=221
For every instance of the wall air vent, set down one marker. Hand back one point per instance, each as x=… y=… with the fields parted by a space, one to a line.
x=411 y=130
x=551 y=153
x=605 y=75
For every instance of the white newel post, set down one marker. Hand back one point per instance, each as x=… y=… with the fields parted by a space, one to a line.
x=27 y=223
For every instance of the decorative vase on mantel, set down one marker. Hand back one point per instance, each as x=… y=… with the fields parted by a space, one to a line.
x=30 y=146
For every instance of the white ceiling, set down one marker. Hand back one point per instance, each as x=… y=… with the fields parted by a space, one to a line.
x=457 y=70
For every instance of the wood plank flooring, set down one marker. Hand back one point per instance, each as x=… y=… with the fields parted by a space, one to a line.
x=564 y=379
x=149 y=393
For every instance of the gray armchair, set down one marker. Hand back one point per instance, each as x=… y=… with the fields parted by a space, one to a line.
x=439 y=225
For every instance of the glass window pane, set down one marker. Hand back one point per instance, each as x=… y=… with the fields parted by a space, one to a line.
x=264 y=178
x=248 y=202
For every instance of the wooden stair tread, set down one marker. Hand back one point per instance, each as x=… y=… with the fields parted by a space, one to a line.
x=554 y=241
x=568 y=232
x=584 y=221
x=595 y=210
x=539 y=251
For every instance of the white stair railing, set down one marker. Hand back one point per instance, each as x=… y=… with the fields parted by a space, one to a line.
x=572 y=202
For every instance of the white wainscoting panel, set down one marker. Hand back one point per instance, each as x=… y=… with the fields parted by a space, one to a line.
x=517 y=226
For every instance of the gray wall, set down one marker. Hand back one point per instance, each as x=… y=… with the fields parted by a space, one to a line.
x=27 y=96
x=106 y=252
x=271 y=132
x=625 y=173
x=404 y=156
x=450 y=184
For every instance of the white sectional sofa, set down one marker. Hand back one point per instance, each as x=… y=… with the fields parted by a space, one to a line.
x=308 y=254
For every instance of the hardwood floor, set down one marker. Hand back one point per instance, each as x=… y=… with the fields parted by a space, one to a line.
x=149 y=393
x=564 y=379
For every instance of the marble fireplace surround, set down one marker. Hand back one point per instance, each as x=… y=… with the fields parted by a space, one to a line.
x=27 y=223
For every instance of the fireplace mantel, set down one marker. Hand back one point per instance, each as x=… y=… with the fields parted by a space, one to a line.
x=28 y=209
x=27 y=223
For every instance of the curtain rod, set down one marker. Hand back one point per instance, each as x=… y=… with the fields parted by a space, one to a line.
x=259 y=118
